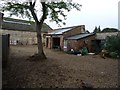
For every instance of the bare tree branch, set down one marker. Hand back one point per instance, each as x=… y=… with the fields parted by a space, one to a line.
x=32 y=12
x=44 y=9
x=34 y=3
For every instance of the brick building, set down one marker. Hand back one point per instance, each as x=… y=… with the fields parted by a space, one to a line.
x=70 y=38
x=79 y=41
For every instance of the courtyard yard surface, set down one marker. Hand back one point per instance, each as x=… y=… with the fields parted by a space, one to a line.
x=60 y=70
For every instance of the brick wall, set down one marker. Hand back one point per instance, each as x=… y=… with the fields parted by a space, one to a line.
x=78 y=44
x=74 y=31
x=61 y=41
x=48 y=42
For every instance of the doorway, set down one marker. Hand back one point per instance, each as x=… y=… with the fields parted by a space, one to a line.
x=56 y=42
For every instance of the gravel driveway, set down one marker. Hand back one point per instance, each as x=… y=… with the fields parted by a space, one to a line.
x=60 y=70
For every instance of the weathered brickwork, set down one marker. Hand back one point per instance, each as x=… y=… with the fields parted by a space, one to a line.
x=74 y=31
x=78 y=44
x=70 y=44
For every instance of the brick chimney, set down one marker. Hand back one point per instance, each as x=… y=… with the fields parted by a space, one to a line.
x=1 y=19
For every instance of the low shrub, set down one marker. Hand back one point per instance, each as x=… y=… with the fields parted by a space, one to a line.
x=84 y=51
x=112 y=45
x=114 y=55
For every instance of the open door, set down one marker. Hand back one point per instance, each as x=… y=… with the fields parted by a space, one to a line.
x=56 y=42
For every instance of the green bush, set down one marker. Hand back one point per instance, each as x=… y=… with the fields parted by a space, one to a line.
x=112 y=45
x=84 y=51
x=114 y=55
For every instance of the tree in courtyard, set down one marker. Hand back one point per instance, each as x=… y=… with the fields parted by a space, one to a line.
x=28 y=9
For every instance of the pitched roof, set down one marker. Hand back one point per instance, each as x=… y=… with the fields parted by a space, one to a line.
x=21 y=25
x=62 y=30
x=79 y=36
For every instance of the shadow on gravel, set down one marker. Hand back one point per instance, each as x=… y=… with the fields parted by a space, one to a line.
x=22 y=73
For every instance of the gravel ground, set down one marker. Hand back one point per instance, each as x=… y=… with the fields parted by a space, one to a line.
x=60 y=70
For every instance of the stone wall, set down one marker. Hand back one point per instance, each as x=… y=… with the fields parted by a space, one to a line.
x=21 y=37
x=101 y=36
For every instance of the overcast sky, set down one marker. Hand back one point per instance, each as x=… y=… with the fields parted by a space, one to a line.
x=93 y=13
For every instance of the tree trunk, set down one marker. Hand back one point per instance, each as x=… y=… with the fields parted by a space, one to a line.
x=39 y=24
x=41 y=54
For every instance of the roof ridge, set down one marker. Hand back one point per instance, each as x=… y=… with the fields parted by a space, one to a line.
x=80 y=34
x=68 y=27
x=18 y=20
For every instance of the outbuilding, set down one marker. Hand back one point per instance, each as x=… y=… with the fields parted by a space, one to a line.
x=68 y=38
